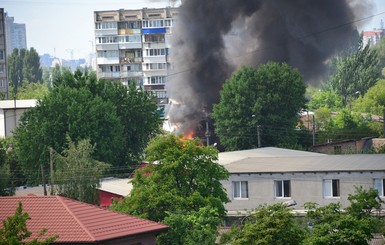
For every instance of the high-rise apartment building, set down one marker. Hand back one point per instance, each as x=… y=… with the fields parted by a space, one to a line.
x=134 y=45
x=15 y=34
x=3 y=54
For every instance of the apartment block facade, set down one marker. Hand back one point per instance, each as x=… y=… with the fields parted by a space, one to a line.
x=3 y=54
x=16 y=35
x=134 y=45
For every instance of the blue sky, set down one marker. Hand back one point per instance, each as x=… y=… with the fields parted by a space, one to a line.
x=64 y=26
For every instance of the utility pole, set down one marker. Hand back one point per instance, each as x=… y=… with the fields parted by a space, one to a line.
x=207 y=134
x=313 y=127
x=51 y=171
x=259 y=136
x=383 y=122
x=43 y=179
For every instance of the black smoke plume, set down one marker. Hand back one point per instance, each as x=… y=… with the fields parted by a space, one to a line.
x=212 y=38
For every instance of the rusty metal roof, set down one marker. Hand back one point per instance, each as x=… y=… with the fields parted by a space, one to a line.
x=75 y=221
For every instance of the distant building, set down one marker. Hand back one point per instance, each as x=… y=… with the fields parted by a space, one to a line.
x=372 y=37
x=3 y=54
x=134 y=45
x=15 y=34
x=10 y=113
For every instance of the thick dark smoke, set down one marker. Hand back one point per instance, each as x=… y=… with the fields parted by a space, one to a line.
x=213 y=38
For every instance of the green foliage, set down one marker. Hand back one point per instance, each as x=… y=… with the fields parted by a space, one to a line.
x=119 y=120
x=77 y=174
x=344 y=125
x=15 y=231
x=373 y=101
x=32 y=71
x=10 y=172
x=354 y=225
x=272 y=224
x=5 y=174
x=271 y=96
x=181 y=187
x=24 y=65
x=29 y=91
x=355 y=73
x=380 y=48
x=325 y=99
x=195 y=227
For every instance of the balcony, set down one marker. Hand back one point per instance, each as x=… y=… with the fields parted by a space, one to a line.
x=107 y=46
x=131 y=74
x=130 y=45
x=110 y=74
x=106 y=32
x=105 y=61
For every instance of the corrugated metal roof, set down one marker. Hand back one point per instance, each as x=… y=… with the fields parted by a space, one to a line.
x=274 y=160
x=75 y=221
x=117 y=186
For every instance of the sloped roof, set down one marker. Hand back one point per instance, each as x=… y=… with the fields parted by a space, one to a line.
x=265 y=152
x=323 y=163
x=75 y=221
x=117 y=186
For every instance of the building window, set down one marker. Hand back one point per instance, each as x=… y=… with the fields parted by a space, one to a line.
x=282 y=188
x=331 y=187
x=156 y=80
x=156 y=52
x=379 y=185
x=105 y=25
x=1 y=54
x=240 y=190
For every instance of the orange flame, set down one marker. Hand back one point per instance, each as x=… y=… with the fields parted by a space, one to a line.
x=190 y=135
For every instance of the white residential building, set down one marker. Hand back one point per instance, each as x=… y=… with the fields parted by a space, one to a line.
x=272 y=175
x=3 y=54
x=134 y=45
x=10 y=113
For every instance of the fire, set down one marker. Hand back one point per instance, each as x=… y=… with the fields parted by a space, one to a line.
x=190 y=135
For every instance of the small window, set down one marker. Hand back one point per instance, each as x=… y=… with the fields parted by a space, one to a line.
x=240 y=190
x=282 y=188
x=331 y=188
x=379 y=185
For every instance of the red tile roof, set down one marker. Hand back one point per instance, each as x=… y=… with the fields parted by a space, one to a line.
x=75 y=221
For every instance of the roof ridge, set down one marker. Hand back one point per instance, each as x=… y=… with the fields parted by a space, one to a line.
x=61 y=199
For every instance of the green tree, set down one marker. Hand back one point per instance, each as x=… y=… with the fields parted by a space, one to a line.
x=373 y=102
x=5 y=174
x=77 y=174
x=355 y=73
x=119 y=120
x=15 y=231
x=380 y=48
x=181 y=187
x=273 y=224
x=325 y=99
x=191 y=227
x=32 y=72
x=354 y=225
x=271 y=96
x=15 y=67
x=29 y=91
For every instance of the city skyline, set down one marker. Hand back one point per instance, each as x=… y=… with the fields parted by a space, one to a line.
x=65 y=29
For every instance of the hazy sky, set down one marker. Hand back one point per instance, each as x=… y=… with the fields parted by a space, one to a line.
x=64 y=26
